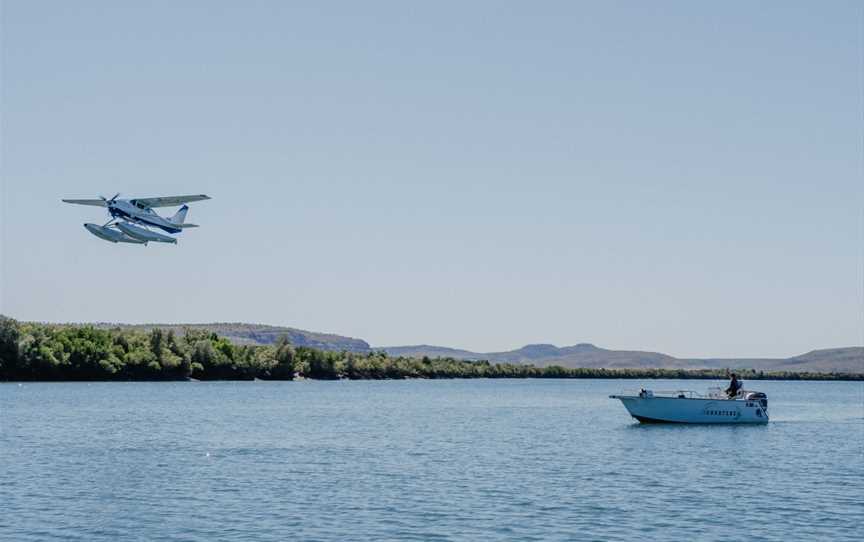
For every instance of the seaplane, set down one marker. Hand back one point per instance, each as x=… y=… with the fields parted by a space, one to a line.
x=134 y=220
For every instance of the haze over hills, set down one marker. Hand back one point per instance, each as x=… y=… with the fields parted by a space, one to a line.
x=580 y=355
x=845 y=360
x=583 y=355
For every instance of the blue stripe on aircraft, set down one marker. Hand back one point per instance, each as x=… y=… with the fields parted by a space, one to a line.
x=123 y=214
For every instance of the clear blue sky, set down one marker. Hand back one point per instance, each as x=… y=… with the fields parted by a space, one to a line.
x=678 y=176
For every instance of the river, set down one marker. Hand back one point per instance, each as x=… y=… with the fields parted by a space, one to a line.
x=421 y=460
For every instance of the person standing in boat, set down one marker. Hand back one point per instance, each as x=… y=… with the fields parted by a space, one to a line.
x=734 y=386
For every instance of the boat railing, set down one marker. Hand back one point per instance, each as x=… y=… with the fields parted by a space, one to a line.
x=712 y=393
x=683 y=394
x=680 y=394
x=716 y=393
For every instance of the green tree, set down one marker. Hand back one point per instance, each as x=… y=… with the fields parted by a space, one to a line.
x=321 y=365
x=285 y=360
x=10 y=334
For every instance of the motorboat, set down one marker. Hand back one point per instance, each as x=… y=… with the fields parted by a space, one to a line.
x=684 y=406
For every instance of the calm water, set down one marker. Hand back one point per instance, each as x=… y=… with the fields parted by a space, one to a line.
x=422 y=460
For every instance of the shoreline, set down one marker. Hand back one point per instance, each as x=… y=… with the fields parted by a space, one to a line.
x=45 y=353
x=827 y=377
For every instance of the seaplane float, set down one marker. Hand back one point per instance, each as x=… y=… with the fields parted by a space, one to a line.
x=684 y=406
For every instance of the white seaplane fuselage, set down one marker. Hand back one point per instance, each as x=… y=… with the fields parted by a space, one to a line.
x=125 y=210
x=689 y=407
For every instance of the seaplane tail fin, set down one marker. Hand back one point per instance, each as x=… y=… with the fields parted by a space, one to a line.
x=180 y=215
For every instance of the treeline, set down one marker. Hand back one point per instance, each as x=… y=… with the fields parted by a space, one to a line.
x=31 y=351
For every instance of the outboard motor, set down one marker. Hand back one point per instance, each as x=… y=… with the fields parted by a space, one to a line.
x=758 y=396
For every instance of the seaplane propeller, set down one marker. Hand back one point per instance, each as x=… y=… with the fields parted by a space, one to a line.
x=110 y=201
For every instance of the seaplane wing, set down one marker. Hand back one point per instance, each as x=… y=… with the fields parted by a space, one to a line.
x=166 y=201
x=93 y=202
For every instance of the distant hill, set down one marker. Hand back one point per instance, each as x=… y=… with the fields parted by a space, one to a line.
x=580 y=355
x=420 y=350
x=842 y=360
x=583 y=355
x=827 y=360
